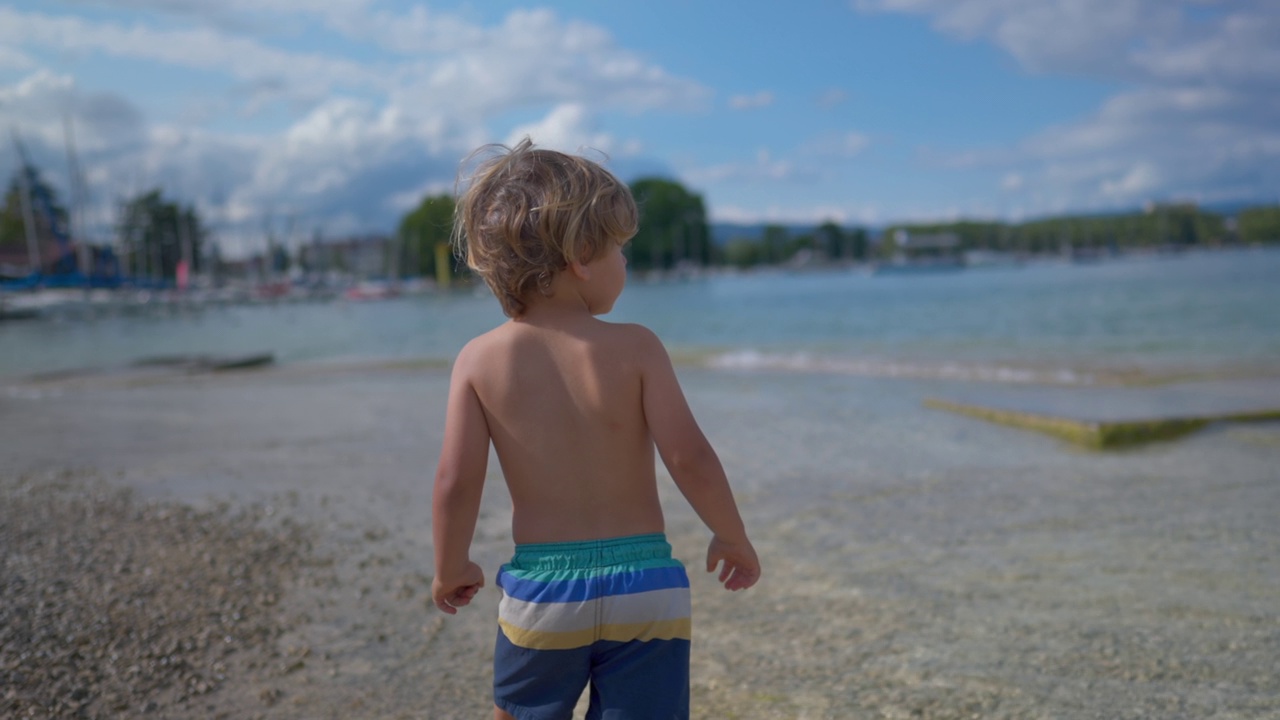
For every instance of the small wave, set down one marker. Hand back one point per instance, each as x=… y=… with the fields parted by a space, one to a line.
x=753 y=360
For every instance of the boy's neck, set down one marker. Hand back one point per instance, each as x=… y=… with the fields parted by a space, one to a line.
x=562 y=303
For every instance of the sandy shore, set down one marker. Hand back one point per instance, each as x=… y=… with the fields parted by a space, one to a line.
x=257 y=545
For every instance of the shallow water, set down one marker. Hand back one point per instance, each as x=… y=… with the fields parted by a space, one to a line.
x=917 y=563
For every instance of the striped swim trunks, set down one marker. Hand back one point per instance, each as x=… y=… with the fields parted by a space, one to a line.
x=613 y=613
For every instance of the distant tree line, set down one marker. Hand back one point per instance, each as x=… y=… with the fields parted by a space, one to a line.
x=1174 y=225
x=777 y=244
x=1258 y=225
x=155 y=234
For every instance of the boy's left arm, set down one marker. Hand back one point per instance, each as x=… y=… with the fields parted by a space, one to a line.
x=459 y=484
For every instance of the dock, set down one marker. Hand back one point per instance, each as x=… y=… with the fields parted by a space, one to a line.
x=1112 y=418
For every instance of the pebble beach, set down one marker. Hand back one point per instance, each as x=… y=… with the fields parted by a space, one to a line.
x=257 y=544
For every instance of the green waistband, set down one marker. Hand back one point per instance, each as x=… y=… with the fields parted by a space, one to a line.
x=581 y=554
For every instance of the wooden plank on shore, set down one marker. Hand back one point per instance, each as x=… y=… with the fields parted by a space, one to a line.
x=1100 y=434
x=207 y=363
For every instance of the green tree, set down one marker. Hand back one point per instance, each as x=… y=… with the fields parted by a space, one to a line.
x=830 y=240
x=1175 y=224
x=803 y=242
x=837 y=243
x=157 y=234
x=774 y=244
x=673 y=226
x=428 y=225
x=857 y=244
x=1259 y=224
x=742 y=252
x=47 y=213
x=13 y=239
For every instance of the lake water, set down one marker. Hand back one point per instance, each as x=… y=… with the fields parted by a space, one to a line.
x=1196 y=314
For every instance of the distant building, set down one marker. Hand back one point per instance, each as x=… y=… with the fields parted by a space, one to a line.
x=15 y=259
x=363 y=256
x=926 y=247
x=922 y=253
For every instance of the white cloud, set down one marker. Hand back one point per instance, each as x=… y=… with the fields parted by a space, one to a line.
x=853 y=143
x=842 y=145
x=832 y=97
x=567 y=128
x=13 y=59
x=1012 y=181
x=1164 y=142
x=764 y=167
x=350 y=139
x=199 y=48
x=533 y=59
x=819 y=159
x=409 y=199
x=1146 y=41
x=1198 y=115
x=1142 y=178
x=1048 y=35
x=39 y=105
x=35 y=101
x=798 y=215
x=241 y=15
x=764 y=98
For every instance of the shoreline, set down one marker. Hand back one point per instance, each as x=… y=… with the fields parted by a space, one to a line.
x=917 y=564
x=1001 y=376
x=1144 y=322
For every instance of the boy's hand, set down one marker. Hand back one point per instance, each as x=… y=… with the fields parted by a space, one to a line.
x=741 y=567
x=451 y=595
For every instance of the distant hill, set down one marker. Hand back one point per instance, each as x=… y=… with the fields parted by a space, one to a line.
x=722 y=233
x=1231 y=208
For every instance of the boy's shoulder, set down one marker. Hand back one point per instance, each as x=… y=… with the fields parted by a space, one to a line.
x=514 y=331
x=630 y=331
x=630 y=339
x=486 y=345
x=627 y=338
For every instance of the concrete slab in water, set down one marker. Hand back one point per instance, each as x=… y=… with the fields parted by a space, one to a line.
x=1115 y=417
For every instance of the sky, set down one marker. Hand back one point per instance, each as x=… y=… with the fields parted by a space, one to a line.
x=336 y=117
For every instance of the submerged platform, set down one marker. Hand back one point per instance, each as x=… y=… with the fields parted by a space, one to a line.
x=1105 y=418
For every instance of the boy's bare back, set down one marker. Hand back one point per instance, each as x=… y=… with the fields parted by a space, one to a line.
x=564 y=402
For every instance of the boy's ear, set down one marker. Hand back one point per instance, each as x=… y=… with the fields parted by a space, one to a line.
x=580 y=270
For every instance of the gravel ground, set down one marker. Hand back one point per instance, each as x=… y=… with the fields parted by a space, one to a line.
x=111 y=607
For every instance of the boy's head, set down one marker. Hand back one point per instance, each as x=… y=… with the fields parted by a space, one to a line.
x=527 y=213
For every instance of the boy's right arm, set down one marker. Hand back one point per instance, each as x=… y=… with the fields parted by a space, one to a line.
x=459 y=483
x=695 y=467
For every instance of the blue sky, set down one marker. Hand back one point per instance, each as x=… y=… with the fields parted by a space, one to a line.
x=339 y=115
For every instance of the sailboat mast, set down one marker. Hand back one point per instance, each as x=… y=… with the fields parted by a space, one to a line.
x=28 y=217
x=83 y=255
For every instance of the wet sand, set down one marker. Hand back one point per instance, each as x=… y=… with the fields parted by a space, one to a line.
x=917 y=564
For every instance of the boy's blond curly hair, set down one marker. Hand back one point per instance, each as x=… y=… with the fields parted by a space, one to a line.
x=527 y=213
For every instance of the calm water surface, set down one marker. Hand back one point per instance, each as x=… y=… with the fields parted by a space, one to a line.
x=1200 y=313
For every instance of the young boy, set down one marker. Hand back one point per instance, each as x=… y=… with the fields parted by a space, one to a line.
x=574 y=407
